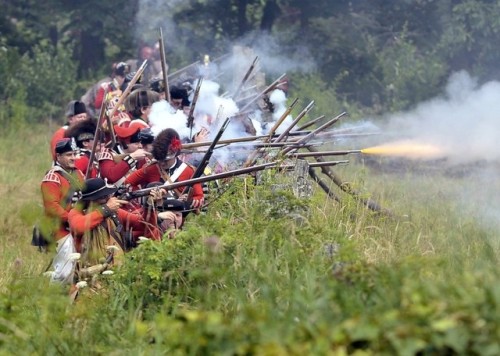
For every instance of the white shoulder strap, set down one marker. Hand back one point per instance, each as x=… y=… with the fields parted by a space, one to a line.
x=178 y=172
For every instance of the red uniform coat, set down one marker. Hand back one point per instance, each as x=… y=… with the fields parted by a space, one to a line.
x=82 y=163
x=55 y=188
x=150 y=173
x=111 y=170
x=104 y=88
x=80 y=222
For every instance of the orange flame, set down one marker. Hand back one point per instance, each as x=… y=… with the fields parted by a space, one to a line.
x=407 y=149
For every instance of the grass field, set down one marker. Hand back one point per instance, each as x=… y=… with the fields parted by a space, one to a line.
x=265 y=273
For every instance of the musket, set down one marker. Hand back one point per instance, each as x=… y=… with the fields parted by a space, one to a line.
x=164 y=66
x=190 y=182
x=183 y=69
x=206 y=157
x=317 y=164
x=233 y=173
x=264 y=92
x=346 y=135
x=296 y=135
x=245 y=78
x=248 y=145
x=239 y=139
x=295 y=121
x=282 y=117
x=122 y=98
x=315 y=132
x=324 y=153
x=190 y=119
x=310 y=123
x=97 y=138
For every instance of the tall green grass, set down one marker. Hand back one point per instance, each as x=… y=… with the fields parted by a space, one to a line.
x=263 y=272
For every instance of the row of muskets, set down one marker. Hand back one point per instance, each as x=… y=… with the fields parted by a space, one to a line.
x=271 y=151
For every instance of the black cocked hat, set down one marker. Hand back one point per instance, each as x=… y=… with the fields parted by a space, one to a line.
x=97 y=188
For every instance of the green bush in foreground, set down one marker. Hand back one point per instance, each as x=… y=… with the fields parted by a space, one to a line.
x=263 y=272
x=249 y=280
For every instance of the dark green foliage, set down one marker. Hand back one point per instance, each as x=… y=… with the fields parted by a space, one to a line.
x=42 y=85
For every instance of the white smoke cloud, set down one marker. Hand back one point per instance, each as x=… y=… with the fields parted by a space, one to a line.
x=164 y=116
x=274 y=57
x=278 y=99
x=465 y=121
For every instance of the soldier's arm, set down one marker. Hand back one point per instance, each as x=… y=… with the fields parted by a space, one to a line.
x=137 y=177
x=114 y=171
x=80 y=223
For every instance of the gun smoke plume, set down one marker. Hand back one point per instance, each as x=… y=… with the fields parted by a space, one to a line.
x=464 y=122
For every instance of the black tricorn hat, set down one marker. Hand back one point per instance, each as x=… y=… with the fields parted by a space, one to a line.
x=97 y=188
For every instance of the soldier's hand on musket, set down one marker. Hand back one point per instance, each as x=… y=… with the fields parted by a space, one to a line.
x=156 y=196
x=140 y=154
x=114 y=203
x=202 y=135
x=197 y=203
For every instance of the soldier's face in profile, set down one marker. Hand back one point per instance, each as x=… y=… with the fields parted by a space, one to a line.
x=169 y=160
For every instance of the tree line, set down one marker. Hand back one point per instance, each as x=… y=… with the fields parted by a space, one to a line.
x=379 y=55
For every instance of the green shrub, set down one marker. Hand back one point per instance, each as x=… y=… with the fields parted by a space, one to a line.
x=38 y=85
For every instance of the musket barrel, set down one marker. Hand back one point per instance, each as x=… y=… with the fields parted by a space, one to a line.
x=170 y=186
x=315 y=132
x=163 y=60
x=245 y=78
x=310 y=123
x=324 y=153
x=265 y=91
x=295 y=121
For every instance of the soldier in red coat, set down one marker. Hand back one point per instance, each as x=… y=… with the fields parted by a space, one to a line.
x=61 y=185
x=118 y=77
x=75 y=112
x=100 y=222
x=168 y=168
x=60 y=189
x=116 y=164
x=83 y=133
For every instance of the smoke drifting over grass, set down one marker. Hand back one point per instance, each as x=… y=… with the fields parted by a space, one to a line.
x=464 y=122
